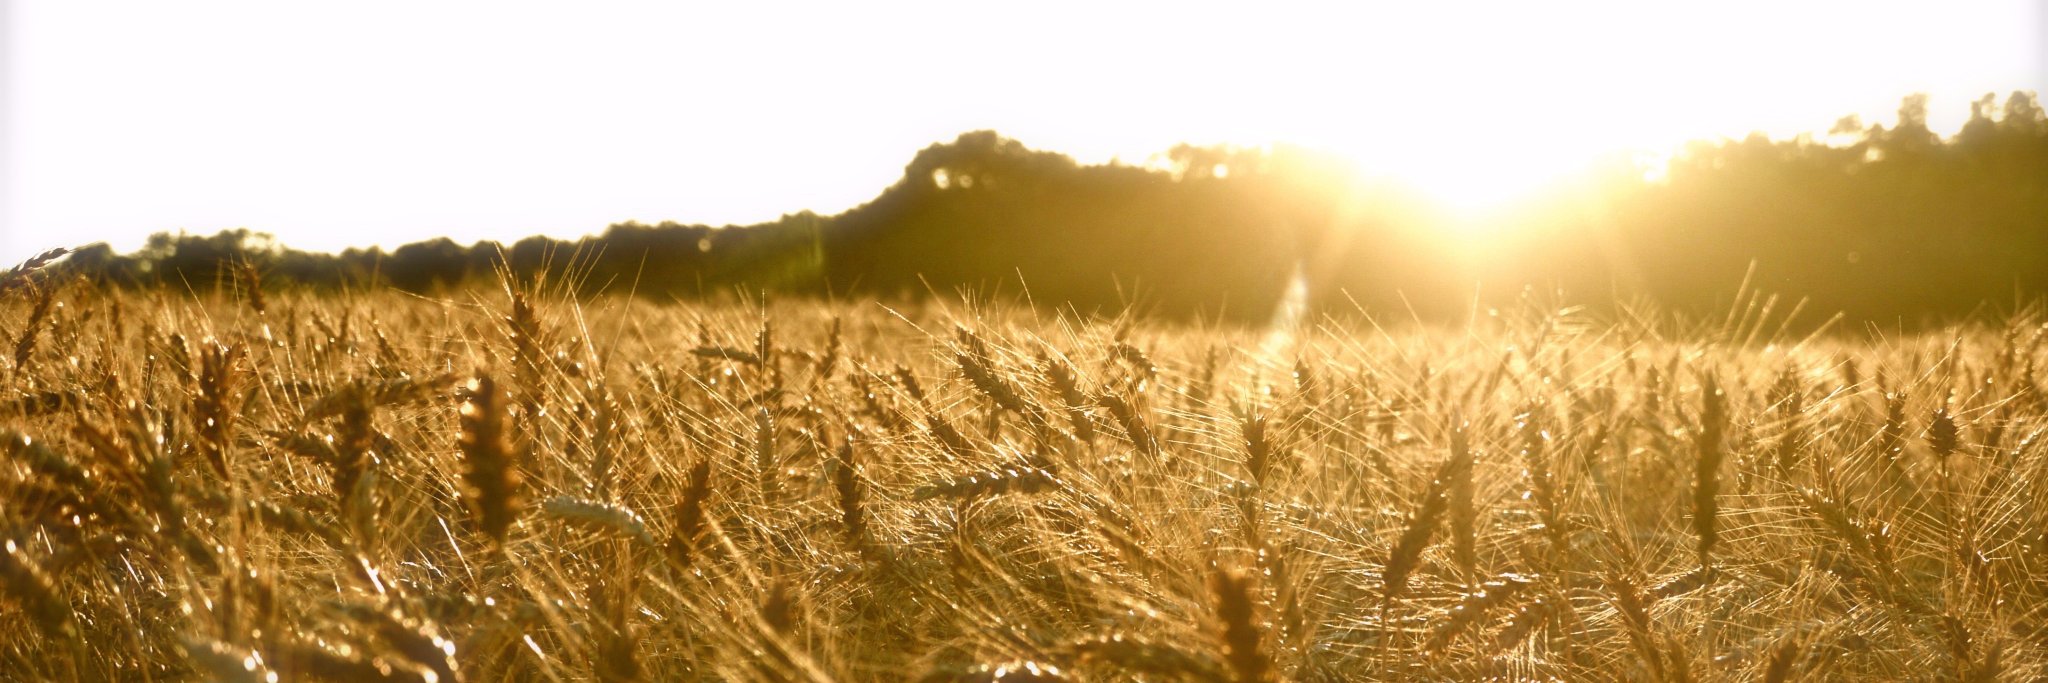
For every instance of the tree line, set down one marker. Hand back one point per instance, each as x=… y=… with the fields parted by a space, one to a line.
x=1880 y=222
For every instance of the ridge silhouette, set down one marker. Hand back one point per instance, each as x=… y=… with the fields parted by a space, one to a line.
x=1877 y=222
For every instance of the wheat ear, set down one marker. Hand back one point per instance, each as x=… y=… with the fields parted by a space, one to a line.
x=1240 y=634
x=490 y=470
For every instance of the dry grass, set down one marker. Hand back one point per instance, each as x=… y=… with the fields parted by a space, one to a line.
x=519 y=486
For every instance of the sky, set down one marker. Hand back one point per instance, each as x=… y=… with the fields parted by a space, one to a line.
x=367 y=123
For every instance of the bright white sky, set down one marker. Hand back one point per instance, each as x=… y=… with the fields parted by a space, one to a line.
x=365 y=123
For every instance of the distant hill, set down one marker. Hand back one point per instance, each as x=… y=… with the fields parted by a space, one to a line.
x=1886 y=222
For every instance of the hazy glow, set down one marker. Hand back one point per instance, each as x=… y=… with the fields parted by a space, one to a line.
x=385 y=122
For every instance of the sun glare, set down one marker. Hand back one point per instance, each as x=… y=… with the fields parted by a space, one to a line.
x=1471 y=187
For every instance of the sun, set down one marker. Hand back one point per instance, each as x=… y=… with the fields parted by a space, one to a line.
x=1474 y=183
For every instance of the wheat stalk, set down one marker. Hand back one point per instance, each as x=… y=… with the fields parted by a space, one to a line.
x=1472 y=607
x=227 y=663
x=1259 y=451
x=1240 y=635
x=979 y=368
x=24 y=274
x=596 y=514
x=25 y=345
x=1406 y=554
x=352 y=460
x=417 y=640
x=1064 y=380
x=1707 y=471
x=1016 y=478
x=1626 y=595
x=490 y=470
x=1464 y=511
x=690 y=513
x=29 y=586
x=1140 y=654
x=1783 y=658
x=1133 y=424
x=218 y=403
x=853 y=513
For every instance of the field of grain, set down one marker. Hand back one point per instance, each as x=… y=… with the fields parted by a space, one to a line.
x=517 y=485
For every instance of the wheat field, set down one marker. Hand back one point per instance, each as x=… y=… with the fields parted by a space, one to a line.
x=515 y=484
